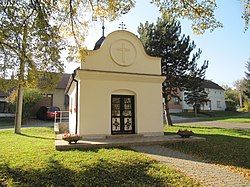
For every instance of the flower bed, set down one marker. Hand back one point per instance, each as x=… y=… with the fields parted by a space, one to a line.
x=185 y=133
x=71 y=137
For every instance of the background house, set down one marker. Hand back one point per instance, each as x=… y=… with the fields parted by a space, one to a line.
x=216 y=96
x=3 y=104
x=175 y=105
x=6 y=109
x=56 y=98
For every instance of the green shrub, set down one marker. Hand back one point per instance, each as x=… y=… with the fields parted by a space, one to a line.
x=30 y=98
x=230 y=105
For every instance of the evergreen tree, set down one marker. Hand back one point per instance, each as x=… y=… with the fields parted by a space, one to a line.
x=164 y=40
x=196 y=95
x=247 y=79
x=247 y=84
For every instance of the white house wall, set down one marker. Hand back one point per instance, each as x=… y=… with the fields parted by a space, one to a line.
x=216 y=96
x=217 y=101
x=59 y=99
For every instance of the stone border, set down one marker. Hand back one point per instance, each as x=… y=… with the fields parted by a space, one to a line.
x=62 y=145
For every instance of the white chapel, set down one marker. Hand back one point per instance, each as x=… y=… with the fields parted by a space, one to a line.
x=117 y=90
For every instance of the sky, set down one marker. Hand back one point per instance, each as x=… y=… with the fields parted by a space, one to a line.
x=227 y=49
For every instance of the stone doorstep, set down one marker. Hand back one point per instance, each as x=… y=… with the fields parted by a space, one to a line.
x=121 y=136
x=62 y=145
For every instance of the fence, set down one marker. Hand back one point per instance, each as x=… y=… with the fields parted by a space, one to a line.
x=63 y=117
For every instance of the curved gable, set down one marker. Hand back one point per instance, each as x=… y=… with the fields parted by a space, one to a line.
x=122 y=51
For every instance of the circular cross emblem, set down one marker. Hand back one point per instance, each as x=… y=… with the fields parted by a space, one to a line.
x=123 y=52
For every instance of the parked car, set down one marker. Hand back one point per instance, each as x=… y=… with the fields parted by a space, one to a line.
x=45 y=113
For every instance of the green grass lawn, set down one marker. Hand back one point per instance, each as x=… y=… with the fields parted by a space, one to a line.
x=226 y=147
x=29 y=159
x=235 y=120
x=209 y=114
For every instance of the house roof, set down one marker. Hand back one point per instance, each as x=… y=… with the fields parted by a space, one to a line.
x=3 y=94
x=64 y=81
x=61 y=85
x=211 y=85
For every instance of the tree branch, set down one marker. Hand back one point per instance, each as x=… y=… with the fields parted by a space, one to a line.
x=72 y=23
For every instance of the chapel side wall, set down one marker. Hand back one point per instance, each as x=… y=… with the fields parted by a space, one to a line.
x=72 y=108
x=93 y=109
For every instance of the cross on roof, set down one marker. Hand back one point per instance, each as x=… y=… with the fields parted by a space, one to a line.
x=122 y=26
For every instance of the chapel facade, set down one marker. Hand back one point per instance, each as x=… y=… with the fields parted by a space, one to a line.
x=116 y=90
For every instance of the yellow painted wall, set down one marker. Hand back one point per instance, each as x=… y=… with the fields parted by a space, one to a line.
x=58 y=99
x=138 y=62
x=95 y=105
x=122 y=67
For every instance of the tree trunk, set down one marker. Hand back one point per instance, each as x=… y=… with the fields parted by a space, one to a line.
x=19 y=103
x=164 y=114
x=169 y=120
x=240 y=99
x=249 y=106
x=195 y=110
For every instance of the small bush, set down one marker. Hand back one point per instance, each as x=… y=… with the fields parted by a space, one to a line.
x=231 y=105
x=30 y=98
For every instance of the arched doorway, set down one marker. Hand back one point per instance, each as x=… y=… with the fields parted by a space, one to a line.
x=122 y=114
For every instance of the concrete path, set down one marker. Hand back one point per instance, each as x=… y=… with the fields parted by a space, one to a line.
x=227 y=125
x=197 y=122
x=32 y=123
x=207 y=174
x=178 y=119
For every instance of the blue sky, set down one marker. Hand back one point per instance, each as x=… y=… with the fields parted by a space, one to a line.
x=227 y=49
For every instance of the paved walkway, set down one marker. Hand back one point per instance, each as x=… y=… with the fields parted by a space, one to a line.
x=227 y=125
x=207 y=174
x=196 y=122
x=33 y=123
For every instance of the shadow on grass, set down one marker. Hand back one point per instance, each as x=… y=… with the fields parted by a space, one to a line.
x=218 y=149
x=239 y=132
x=37 y=137
x=101 y=173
